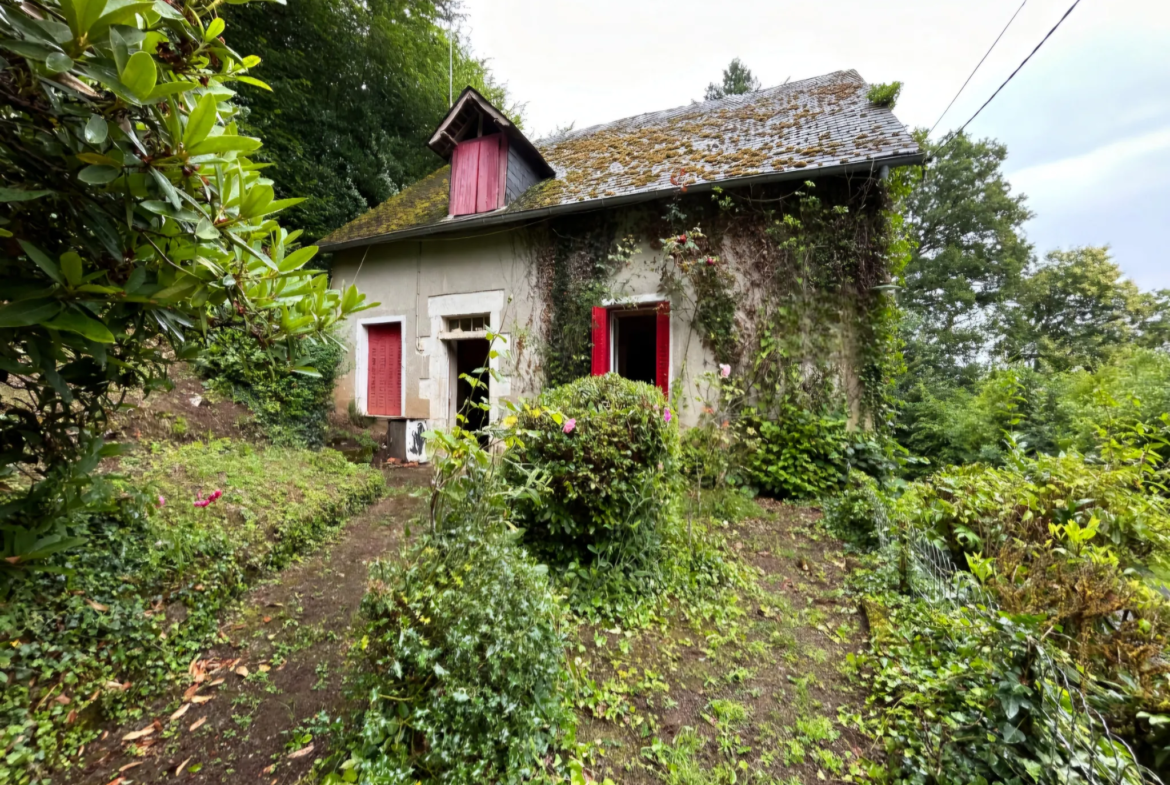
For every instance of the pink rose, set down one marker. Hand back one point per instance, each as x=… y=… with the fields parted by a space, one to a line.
x=162 y=502
x=570 y=424
x=666 y=415
x=724 y=370
x=202 y=502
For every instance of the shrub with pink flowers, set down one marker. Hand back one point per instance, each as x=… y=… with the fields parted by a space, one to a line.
x=612 y=468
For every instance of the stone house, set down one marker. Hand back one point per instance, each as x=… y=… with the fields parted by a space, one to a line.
x=473 y=248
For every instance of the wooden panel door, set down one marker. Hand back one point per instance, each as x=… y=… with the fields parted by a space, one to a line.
x=384 y=370
x=487 y=192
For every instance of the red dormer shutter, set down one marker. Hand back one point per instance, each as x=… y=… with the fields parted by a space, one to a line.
x=478 y=175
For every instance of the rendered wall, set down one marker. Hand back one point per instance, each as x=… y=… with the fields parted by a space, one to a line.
x=425 y=280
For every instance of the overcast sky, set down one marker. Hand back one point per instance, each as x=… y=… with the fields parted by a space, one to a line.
x=1087 y=122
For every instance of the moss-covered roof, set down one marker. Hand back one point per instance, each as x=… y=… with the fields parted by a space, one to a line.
x=801 y=126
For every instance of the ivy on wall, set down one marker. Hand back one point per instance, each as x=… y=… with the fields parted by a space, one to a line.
x=576 y=259
x=788 y=284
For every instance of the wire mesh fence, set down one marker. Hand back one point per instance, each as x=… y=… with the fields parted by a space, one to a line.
x=1088 y=752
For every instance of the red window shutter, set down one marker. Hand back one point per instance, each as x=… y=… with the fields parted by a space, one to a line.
x=487 y=192
x=600 y=341
x=464 y=177
x=384 y=370
x=662 y=349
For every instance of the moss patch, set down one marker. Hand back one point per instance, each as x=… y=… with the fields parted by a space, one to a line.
x=421 y=204
x=816 y=122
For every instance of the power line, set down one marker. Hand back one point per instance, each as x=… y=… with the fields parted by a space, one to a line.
x=1013 y=73
x=977 y=67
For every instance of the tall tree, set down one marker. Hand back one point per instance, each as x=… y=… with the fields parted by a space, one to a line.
x=737 y=80
x=967 y=225
x=1076 y=309
x=358 y=89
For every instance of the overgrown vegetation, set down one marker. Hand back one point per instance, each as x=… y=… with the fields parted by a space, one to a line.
x=466 y=645
x=1049 y=411
x=608 y=520
x=105 y=627
x=292 y=408
x=130 y=212
x=1063 y=638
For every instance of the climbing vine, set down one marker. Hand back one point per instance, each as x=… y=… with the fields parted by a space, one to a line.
x=786 y=284
x=575 y=262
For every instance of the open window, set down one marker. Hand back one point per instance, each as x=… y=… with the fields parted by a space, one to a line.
x=634 y=342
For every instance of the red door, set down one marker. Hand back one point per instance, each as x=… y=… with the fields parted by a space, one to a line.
x=384 y=370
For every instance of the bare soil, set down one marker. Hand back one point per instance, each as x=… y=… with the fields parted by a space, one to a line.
x=282 y=661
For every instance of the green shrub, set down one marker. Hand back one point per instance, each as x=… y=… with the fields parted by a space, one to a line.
x=961 y=699
x=798 y=454
x=140 y=598
x=1078 y=550
x=1049 y=412
x=612 y=485
x=291 y=407
x=856 y=513
x=466 y=645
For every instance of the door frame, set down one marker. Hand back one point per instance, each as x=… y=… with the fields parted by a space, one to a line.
x=362 y=362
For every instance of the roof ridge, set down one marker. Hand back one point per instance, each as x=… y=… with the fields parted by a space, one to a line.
x=576 y=133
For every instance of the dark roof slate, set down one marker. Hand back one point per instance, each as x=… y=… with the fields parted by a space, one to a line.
x=797 y=127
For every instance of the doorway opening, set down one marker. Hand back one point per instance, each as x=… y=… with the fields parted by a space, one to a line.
x=470 y=355
x=636 y=346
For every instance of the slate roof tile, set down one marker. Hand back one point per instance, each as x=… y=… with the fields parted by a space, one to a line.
x=799 y=126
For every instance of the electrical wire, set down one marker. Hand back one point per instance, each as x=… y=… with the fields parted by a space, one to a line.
x=962 y=128
x=977 y=67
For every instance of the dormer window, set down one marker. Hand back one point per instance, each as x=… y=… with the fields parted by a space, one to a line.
x=492 y=162
x=479 y=174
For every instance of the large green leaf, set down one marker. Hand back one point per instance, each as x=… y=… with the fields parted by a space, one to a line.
x=225 y=144
x=98 y=175
x=81 y=15
x=43 y=261
x=201 y=121
x=76 y=322
x=96 y=129
x=140 y=75
x=28 y=312
x=20 y=195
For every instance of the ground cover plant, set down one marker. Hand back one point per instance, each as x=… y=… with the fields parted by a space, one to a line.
x=119 y=620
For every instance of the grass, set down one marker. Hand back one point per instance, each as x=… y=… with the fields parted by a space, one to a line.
x=740 y=688
x=119 y=620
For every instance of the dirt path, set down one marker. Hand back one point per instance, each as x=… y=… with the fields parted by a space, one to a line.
x=281 y=664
